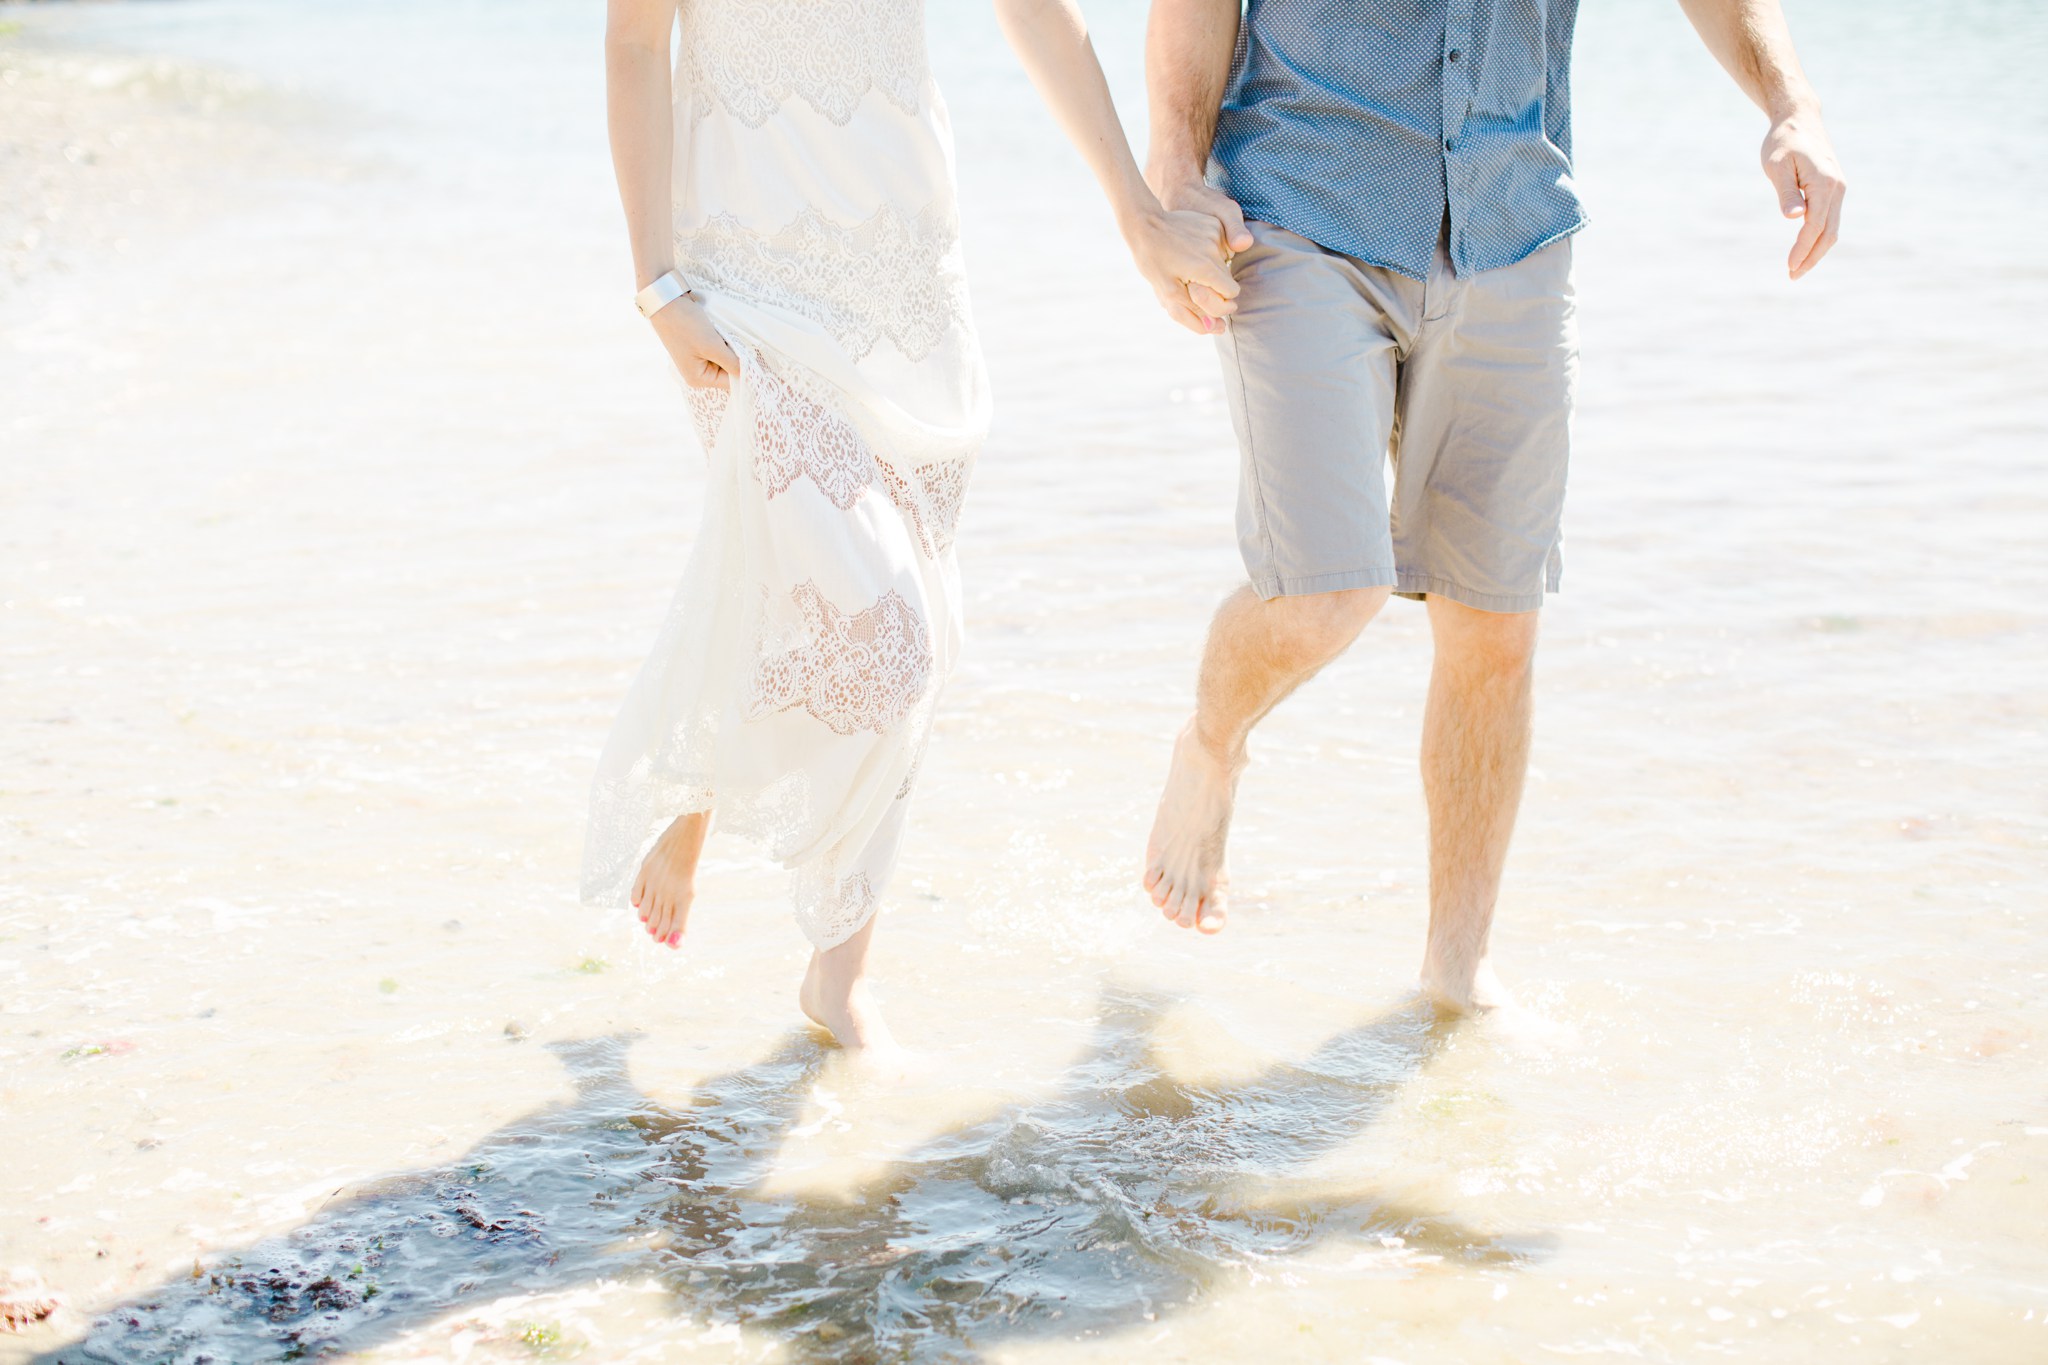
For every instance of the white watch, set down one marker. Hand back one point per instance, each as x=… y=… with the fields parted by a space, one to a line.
x=665 y=290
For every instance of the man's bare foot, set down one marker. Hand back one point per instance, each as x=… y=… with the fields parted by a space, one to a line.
x=1184 y=869
x=668 y=878
x=847 y=1010
x=1465 y=989
x=1508 y=1021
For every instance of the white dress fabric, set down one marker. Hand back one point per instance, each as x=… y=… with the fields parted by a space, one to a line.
x=792 y=686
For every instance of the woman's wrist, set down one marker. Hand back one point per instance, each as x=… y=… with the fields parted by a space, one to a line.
x=665 y=290
x=646 y=273
x=1138 y=210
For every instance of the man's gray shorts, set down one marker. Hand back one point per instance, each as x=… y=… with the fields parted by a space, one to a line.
x=1333 y=365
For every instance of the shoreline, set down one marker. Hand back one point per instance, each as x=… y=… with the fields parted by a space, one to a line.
x=102 y=151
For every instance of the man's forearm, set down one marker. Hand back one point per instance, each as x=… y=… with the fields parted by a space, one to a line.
x=1188 y=47
x=1749 y=38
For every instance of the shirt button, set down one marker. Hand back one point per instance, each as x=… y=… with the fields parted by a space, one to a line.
x=1455 y=54
x=1450 y=144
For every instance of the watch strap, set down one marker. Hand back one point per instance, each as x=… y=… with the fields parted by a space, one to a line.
x=665 y=290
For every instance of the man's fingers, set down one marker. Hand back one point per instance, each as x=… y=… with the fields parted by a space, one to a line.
x=1783 y=172
x=1215 y=277
x=1812 y=223
x=1820 y=249
x=1230 y=217
x=1810 y=230
x=1235 y=234
x=1822 y=192
x=1832 y=195
x=1218 y=205
x=1824 y=211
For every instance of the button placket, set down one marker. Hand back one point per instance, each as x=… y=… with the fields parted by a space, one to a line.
x=1457 y=81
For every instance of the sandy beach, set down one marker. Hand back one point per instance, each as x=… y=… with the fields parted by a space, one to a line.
x=342 y=493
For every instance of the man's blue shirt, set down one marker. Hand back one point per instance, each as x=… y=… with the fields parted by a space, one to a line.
x=1361 y=124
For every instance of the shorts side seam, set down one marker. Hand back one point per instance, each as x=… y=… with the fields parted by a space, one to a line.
x=1251 y=449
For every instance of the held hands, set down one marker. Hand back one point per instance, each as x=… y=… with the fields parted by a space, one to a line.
x=1183 y=248
x=1800 y=161
x=700 y=354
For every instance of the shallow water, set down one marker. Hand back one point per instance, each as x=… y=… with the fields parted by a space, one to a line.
x=343 y=494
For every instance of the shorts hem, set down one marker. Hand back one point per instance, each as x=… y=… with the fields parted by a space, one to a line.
x=1417 y=586
x=1271 y=586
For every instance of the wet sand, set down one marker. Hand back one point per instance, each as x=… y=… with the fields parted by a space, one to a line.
x=341 y=505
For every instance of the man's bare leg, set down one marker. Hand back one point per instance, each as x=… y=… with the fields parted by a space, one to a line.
x=835 y=995
x=1258 y=652
x=667 y=883
x=1475 y=753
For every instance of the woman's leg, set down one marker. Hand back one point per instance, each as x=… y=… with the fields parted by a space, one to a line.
x=668 y=878
x=835 y=995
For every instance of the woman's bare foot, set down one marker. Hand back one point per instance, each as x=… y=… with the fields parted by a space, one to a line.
x=835 y=995
x=847 y=1012
x=1184 y=869
x=668 y=878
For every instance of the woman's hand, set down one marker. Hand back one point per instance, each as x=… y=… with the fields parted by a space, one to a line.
x=1185 y=256
x=700 y=354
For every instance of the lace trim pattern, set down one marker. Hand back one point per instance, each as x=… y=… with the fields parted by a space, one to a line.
x=799 y=436
x=749 y=57
x=891 y=277
x=835 y=910
x=859 y=672
x=707 y=412
x=931 y=495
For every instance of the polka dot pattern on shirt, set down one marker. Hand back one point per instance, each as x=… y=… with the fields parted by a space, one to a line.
x=1364 y=124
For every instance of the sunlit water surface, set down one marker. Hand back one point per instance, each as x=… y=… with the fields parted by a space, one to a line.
x=342 y=493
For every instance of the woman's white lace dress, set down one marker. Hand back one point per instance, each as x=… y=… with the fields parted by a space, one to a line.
x=792 y=686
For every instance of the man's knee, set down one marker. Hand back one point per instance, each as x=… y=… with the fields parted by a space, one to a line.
x=1484 y=645
x=1321 y=625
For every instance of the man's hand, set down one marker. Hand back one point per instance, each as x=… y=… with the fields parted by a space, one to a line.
x=1199 y=303
x=701 y=356
x=1183 y=254
x=1750 y=40
x=1800 y=162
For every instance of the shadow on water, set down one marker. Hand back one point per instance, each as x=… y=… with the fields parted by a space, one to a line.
x=1121 y=1199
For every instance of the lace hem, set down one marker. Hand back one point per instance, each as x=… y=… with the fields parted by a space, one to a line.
x=832 y=910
